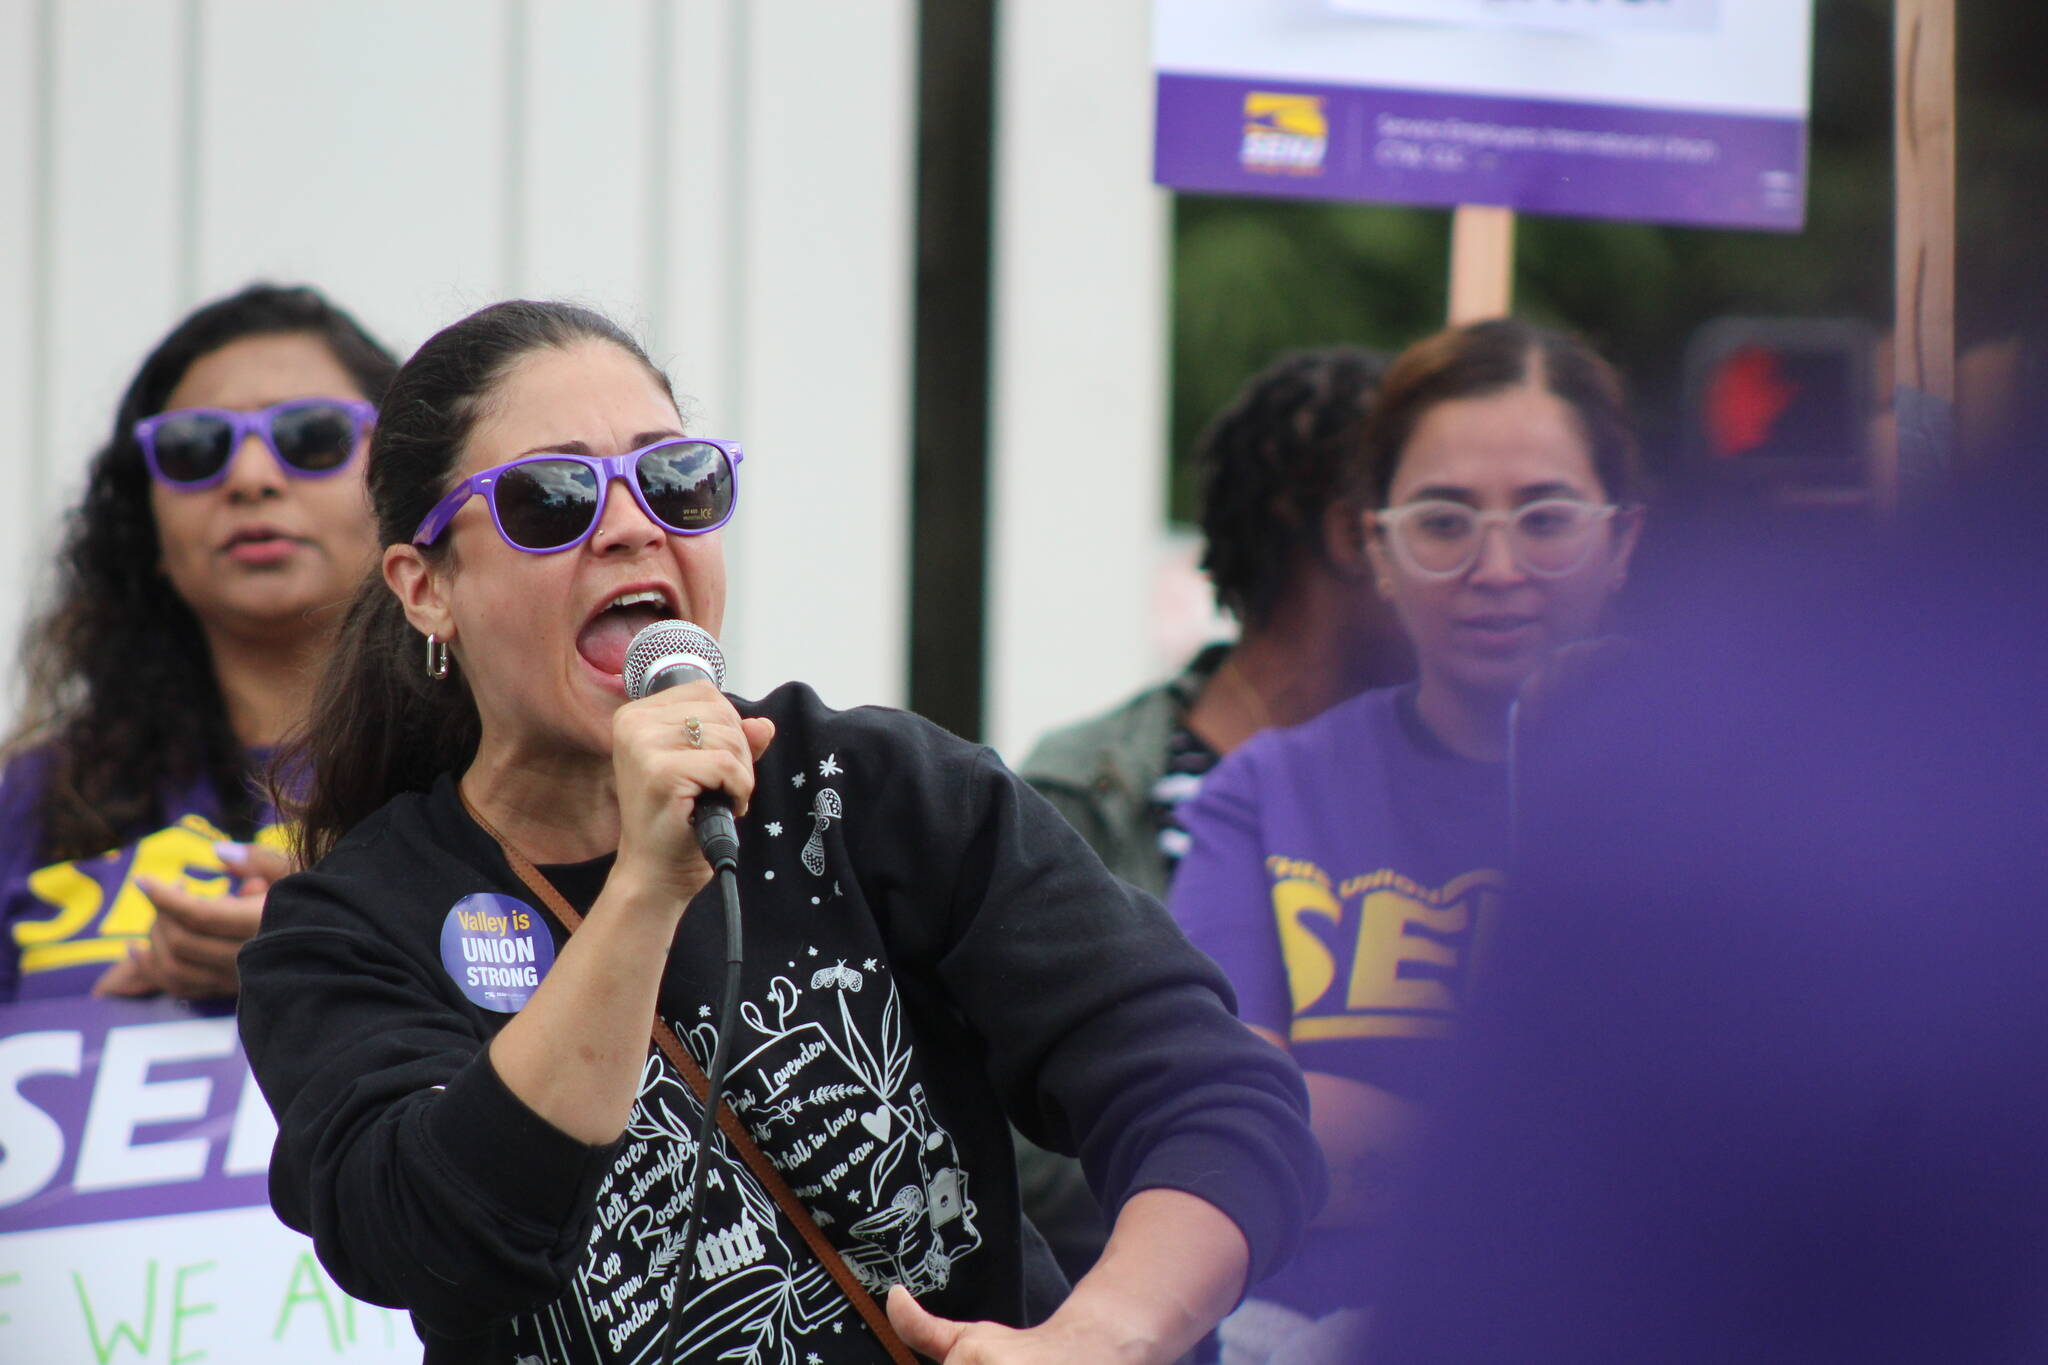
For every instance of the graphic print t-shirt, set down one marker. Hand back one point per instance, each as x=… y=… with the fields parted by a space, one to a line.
x=929 y=952
x=1343 y=874
x=824 y=1077
x=66 y=922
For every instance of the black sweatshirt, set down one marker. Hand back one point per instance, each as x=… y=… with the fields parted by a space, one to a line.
x=929 y=949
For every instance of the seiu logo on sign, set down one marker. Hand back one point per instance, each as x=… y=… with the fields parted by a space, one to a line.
x=118 y=1109
x=1284 y=134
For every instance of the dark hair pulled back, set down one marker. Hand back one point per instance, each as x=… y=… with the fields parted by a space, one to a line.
x=1483 y=358
x=1287 y=447
x=121 y=689
x=379 y=725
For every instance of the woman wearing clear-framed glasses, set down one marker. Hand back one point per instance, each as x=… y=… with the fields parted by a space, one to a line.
x=201 y=577
x=1343 y=872
x=483 y=1014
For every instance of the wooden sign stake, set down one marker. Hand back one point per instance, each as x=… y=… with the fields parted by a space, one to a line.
x=1924 y=345
x=1482 y=263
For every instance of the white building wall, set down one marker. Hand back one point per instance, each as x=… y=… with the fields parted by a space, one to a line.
x=824 y=171
x=731 y=178
x=21 y=209
x=1078 y=482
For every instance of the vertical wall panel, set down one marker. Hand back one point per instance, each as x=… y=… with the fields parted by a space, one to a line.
x=114 y=215
x=21 y=149
x=694 y=329
x=358 y=147
x=1077 y=484
x=587 y=186
x=820 y=566
x=734 y=177
x=21 y=295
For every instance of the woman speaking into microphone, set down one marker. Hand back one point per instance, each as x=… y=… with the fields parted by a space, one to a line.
x=450 y=1012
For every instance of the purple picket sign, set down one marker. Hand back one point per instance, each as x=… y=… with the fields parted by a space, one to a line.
x=1241 y=135
x=117 y=1109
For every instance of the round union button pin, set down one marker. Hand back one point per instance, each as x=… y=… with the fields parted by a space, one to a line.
x=496 y=950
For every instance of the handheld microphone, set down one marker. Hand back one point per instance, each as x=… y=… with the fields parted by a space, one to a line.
x=663 y=655
x=668 y=654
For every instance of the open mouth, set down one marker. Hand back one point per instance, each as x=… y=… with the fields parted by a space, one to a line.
x=604 y=639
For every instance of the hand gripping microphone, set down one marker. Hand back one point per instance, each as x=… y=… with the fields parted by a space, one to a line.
x=668 y=654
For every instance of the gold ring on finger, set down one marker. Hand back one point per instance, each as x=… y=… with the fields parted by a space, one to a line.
x=694 y=728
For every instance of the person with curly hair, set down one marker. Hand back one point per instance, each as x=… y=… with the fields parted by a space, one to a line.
x=223 y=527
x=1282 y=483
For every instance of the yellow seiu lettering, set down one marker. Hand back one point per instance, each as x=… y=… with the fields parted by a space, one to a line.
x=75 y=897
x=1296 y=869
x=1379 y=1001
x=1310 y=966
x=1384 y=943
x=180 y=854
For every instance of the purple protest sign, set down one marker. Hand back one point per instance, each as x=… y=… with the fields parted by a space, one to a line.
x=116 y=1109
x=133 y=1203
x=1233 y=135
x=1686 y=111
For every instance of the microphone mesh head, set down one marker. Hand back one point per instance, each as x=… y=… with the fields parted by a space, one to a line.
x=664 y=640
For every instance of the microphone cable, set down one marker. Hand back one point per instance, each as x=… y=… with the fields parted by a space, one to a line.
x=662 y=655
x=707 y=1125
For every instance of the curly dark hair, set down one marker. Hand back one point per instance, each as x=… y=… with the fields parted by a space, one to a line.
x=1285 y=449
x=1486 y=357
x=379 y=726
x=121 y=689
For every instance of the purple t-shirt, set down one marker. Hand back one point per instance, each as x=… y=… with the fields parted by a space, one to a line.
x=62 y=924
x=1340 y=872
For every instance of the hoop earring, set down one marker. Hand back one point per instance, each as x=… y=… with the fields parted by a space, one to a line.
x=437 y=658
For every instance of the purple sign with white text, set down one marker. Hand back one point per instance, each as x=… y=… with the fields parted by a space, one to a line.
x=1232 y=135
x=134 y=1210
x=124 y=1109
x=1691 y=113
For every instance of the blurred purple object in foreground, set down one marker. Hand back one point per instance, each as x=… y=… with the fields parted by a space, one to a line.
x=1759 y=1065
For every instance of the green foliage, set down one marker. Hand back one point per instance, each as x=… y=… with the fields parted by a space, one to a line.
x=1254 y=278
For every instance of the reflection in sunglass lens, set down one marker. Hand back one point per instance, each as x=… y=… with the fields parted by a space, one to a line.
x=689 y=486
x=189 y=449
x=315 y=438
x=545 y=504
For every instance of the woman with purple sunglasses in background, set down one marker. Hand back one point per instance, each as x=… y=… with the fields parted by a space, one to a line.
x=200 y=581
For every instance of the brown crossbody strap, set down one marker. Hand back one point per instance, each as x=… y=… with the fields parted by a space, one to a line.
x=736 y=1133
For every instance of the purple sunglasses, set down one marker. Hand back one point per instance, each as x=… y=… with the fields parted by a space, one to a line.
x=686 y=485
x=309 y=438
